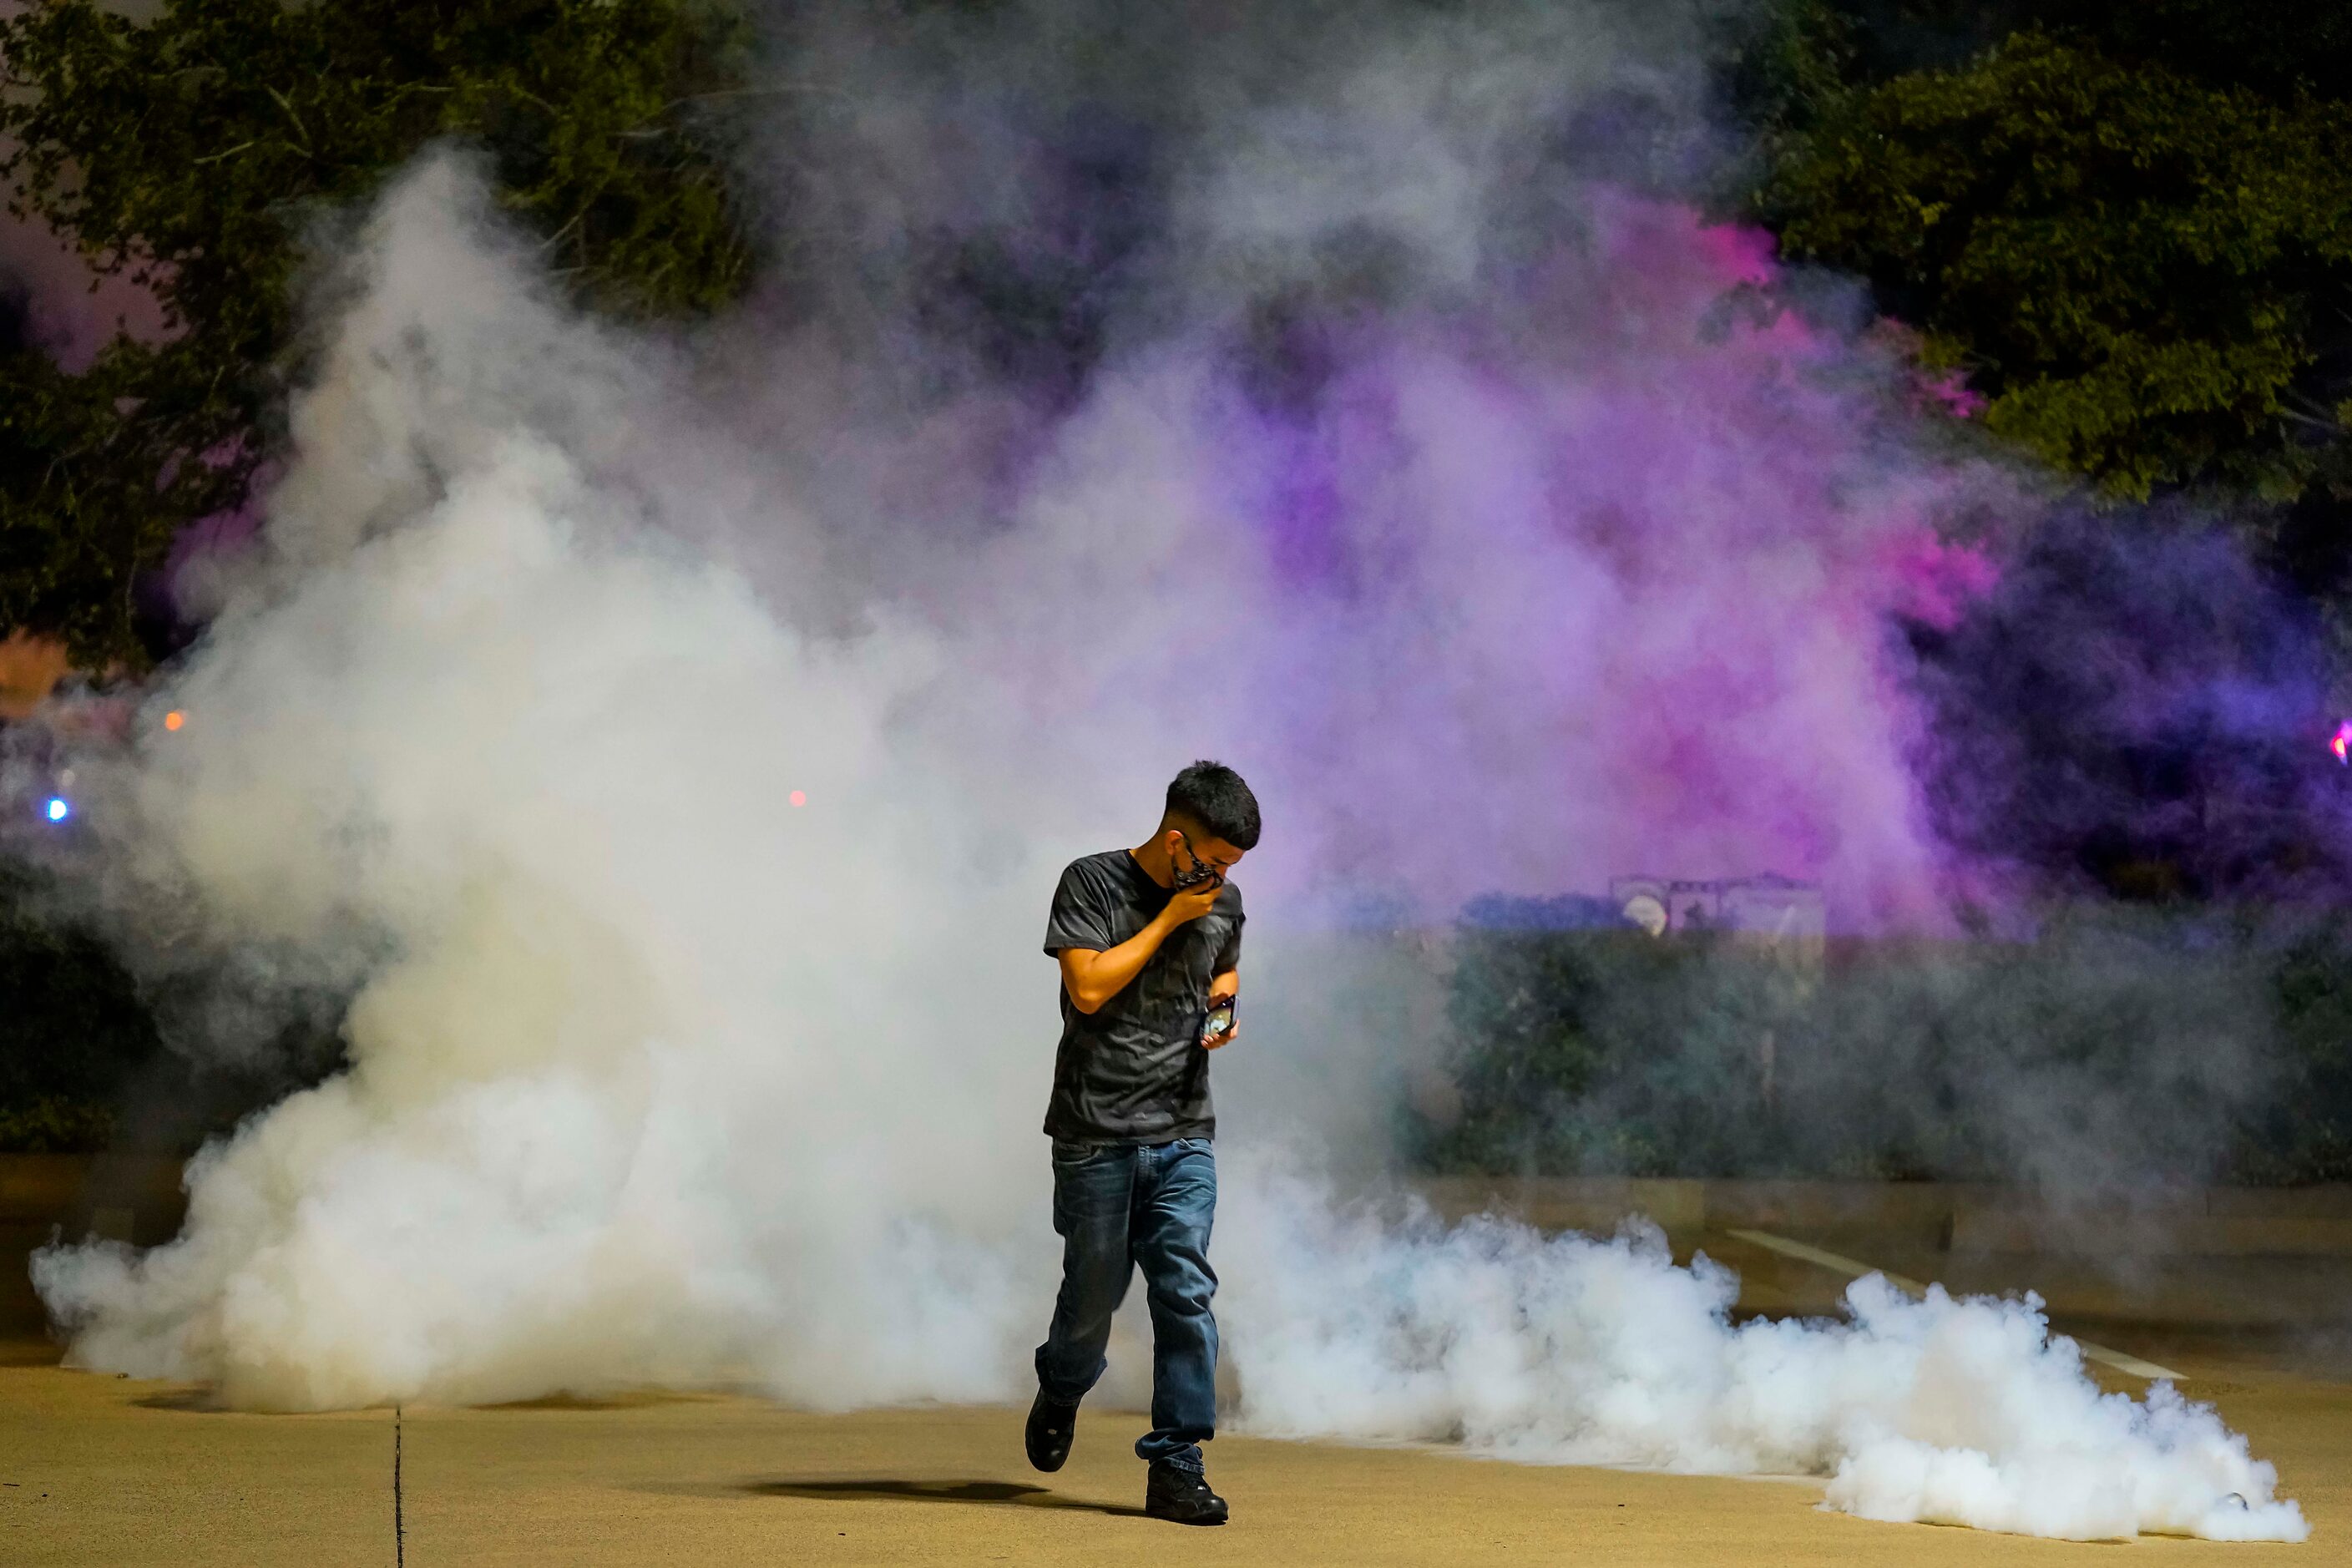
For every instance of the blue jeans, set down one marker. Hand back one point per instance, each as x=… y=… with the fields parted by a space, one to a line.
x=1116 y=1205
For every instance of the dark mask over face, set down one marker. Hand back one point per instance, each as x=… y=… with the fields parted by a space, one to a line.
x=1202 y=871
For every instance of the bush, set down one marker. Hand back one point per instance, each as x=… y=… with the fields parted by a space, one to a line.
x=73 y=1032
x=2119 y=1045
x=52 y=1126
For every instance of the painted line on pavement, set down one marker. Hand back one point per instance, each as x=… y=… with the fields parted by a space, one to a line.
x=1853 y=1268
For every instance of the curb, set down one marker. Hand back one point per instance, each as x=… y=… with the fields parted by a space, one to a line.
x=1957 y=1216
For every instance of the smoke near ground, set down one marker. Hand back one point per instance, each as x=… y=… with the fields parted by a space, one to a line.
x=670 y=741
x=1569 y=1350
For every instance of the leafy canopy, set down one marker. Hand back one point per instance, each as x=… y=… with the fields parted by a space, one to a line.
x=2148 y=273
x=191 y=151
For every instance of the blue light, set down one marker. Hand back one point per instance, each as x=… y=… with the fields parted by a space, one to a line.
x=59 y=809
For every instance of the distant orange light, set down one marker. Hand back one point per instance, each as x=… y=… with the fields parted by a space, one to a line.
x=798 y=797
x=175 y=718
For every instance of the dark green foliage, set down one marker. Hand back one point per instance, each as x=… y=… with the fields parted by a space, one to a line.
x=72 y=1032
x=2119 y=1045
x=50 y=1125
x=2279 y=47
x=2307 y=1136
x=86 y=1057
x=1611 y=1052
x=2146 y=272
x=192 y=151
x=92 y=486
x=1547 y=1019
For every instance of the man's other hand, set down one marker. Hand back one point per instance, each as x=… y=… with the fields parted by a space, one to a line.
x=1223 y=990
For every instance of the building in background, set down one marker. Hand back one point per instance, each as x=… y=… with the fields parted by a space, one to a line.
x=1786 y=920
x=1772 y=908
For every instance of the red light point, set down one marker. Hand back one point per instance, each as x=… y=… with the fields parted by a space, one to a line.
x=800 y=796
x=175 y=718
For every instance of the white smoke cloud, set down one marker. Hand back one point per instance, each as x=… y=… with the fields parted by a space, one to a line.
x=1568 y=1350
x=613 y=1073
x=656 y=1077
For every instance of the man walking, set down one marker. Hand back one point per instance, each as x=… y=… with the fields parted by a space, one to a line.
x=1150 y=942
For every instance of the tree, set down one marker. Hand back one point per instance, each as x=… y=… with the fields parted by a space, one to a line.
x=193 y=149
x=2147 y=274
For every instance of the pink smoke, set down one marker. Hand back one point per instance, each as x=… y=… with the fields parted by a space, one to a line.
x=74 y=310
x=1593 y=577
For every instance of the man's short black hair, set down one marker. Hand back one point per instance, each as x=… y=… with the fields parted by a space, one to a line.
x=1213 y=798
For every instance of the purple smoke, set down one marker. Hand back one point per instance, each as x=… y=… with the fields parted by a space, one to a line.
x=1591 y=568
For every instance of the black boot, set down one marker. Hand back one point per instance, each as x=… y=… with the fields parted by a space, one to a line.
x=1181 y=1496
x=1051 y=1427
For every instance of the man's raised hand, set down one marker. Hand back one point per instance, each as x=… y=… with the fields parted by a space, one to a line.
x=1189 y=904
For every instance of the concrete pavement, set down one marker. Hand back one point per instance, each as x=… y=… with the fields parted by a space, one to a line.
x=102 y=1470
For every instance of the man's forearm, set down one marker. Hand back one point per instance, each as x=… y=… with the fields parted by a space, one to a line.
x=1098 y=979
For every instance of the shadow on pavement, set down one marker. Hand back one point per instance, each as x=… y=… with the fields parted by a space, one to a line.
x=199 y=1400
x=628 y=1399
x=1013 y=1494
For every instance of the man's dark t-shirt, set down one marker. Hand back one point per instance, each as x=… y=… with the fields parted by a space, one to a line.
x=1134 y=1070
